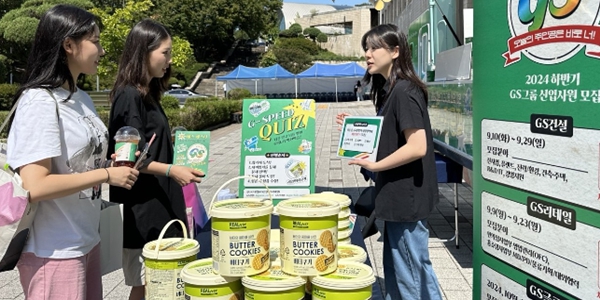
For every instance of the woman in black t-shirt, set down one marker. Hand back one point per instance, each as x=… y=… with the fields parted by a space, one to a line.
x=405 y=180
x=157 y=197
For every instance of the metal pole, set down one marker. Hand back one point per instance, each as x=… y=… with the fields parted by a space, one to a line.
x=97 y=83
x=336 y=97
x=430 y=35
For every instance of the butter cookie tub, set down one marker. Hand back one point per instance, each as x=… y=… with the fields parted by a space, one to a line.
x=342 y=199
x=274 y=284
x=352 y=253
x=351 y=281
x=201 y=283
x=308 y=236
x=241 y=231
x=164 y=259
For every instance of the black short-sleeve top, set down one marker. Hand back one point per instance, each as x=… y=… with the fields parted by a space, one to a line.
x=407 y=193
x=153 y=200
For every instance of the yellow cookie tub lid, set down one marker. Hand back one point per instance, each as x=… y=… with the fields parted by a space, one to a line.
x=348 y=276
x=242 y=208
x=343 y=223
x=273 y=280
x=305 y=207
x=344 y=234
x=349 y=252
x=344 y=213
x=171 y=248
x=200 y=272
x=342 y=199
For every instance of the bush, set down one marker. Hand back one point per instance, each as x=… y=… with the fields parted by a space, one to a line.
x=288 y=34
x=169 y=102
x=198 y=116
x=312 y=32
x=295 y=29
x=4 y=133
x=238 y=94
x=194 y=100
x=322 y=38
x=7 y=93
x=203 y=114
x=293 y=60
x=268 y=59
x=302 y=44
x=103 y=114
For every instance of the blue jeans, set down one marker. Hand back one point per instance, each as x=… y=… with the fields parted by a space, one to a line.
x=407 y=269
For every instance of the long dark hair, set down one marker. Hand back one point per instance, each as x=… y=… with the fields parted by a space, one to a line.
x=47 y=63
x=388 y=36
x=145 y=37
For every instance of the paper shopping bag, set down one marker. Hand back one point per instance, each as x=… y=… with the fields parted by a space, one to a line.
x=111 y=234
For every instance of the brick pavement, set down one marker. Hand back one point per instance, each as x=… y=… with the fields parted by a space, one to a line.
x=453 y=266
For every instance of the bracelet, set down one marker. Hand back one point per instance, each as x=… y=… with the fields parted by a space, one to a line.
x=107 y=175
x=168 y=170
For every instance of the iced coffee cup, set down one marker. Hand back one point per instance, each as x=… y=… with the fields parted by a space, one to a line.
x=126 y=144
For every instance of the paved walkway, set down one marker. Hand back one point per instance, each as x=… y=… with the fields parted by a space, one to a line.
x=453 y=266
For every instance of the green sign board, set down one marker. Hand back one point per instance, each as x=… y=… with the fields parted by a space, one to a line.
x=191 y=149
x=360 y=137
x=278 y=148
x=536 y=151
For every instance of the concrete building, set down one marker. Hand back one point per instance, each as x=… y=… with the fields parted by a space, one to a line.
x=290 y=11
x=344 y=27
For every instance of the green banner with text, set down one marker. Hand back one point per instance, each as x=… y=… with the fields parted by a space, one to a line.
x=536 y=149
x=278 y=148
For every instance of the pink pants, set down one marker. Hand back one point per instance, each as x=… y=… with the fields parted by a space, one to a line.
x=61 y=279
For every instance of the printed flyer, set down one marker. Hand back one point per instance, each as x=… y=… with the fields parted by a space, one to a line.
x=191 y=149
x=278 y=148
x=536 y=151
x=360 y=138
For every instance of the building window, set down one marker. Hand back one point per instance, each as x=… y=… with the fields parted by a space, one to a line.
x=336 y=28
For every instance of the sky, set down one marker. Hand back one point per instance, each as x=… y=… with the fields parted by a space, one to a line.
x=337 y=2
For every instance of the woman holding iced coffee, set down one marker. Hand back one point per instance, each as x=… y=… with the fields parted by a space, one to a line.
x=58 y=145
x=157 y=197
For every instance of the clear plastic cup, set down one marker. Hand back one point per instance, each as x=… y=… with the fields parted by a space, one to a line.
x=126 y=144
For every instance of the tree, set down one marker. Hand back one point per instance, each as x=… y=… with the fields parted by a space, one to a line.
x=322 y=38
x=268 y=59
x=209 y=25
x=18 y=25
x=117 y=23
x=8 y=5
x=293 y=60
x=295 y=29
x=301 y=44
x=312 y=32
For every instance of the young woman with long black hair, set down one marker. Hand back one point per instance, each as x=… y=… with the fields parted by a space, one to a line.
x=58 y=145
x=157 y=197
x=405 y=174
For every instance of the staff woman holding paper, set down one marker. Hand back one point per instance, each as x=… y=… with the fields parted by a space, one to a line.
x=157 y=197
x=405 y=180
